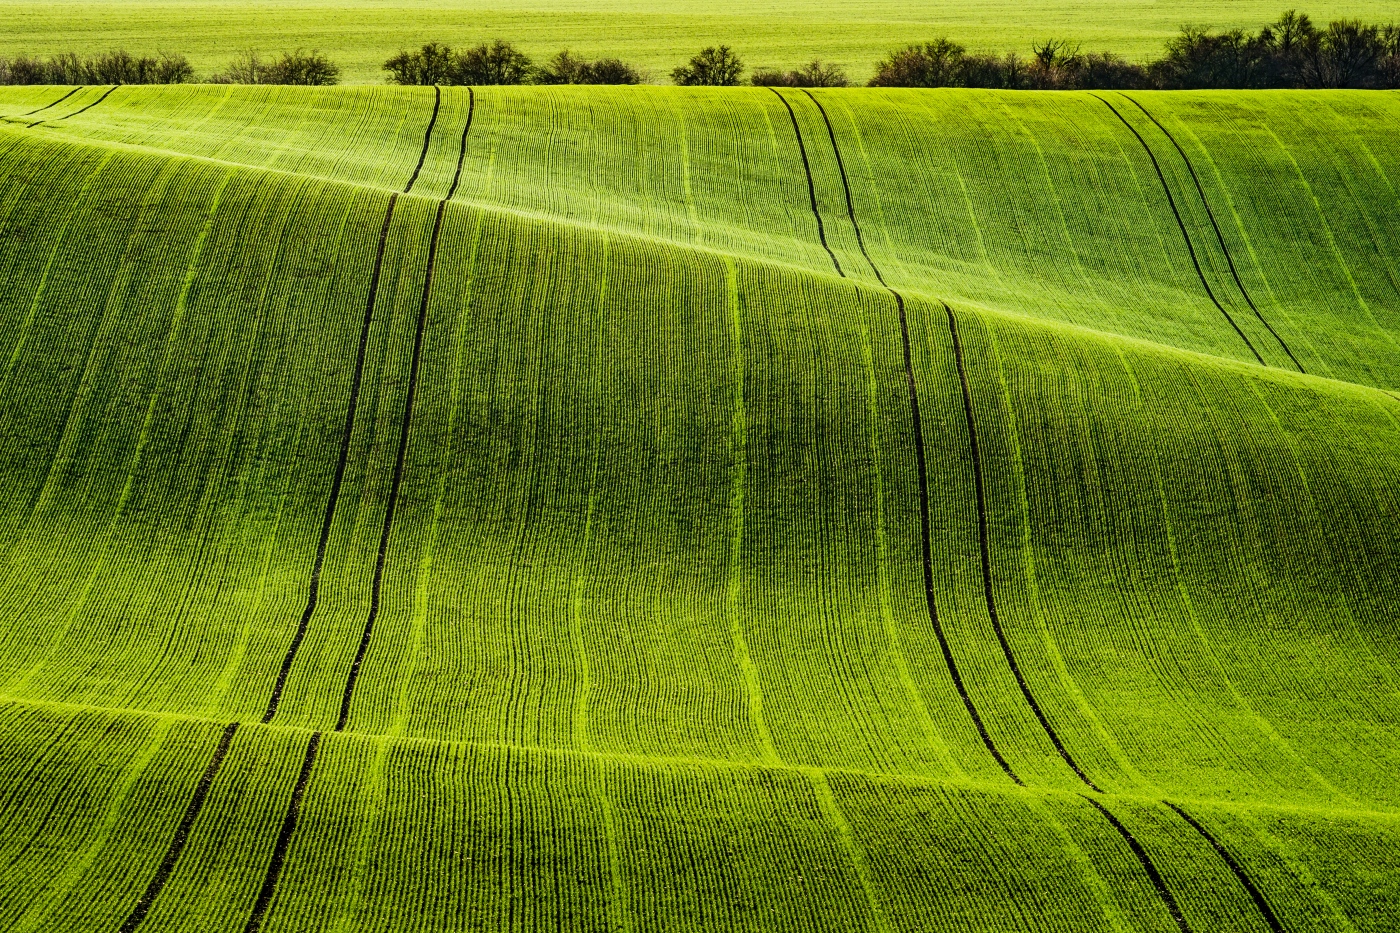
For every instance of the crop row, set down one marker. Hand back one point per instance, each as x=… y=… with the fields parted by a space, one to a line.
x=414 y=835
x=547 y=364
x=602 y=492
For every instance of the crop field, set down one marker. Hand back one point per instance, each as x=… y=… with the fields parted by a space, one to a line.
x=630 y=509
x=361 y=34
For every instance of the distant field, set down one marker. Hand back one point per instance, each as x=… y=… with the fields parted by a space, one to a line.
x=361 y=34
x=661 y=509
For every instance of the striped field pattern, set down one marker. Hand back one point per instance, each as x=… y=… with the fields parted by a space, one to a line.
x=665 y=509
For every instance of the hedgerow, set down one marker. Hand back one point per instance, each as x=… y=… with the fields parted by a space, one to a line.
x=118 y=67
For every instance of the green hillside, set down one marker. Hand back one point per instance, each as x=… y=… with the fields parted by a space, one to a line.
x=663 y=509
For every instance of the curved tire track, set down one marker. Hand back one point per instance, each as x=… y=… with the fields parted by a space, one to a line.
x=405 y=429
x=67 y=116
x=920 y=458
x=984 y=546
x=182 y=833
x=1181 y=225
x=54 y=104
x=1255 y=894
x=284 y=838
x=328 y=521
x=1219 y=237
x=811 y=185
x=1153 y=874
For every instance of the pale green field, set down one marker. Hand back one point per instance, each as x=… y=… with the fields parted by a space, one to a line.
x=361 y=34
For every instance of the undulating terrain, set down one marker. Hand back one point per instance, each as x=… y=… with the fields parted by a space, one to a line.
x=665 y=509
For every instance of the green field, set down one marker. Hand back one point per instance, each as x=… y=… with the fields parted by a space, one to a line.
x=361 y=34
x=667 y=509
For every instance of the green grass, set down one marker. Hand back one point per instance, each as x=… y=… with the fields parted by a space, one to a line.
x=361 y=34
x=652 y=646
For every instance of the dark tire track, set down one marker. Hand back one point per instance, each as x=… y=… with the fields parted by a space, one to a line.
x=427 y=138
x=1152 y=873
x=105 y=95
x=54 y=104
x=462 y=152
x=1254 y=893
x=811 y=186
x=985 y=547
x=1181 y=225
x=284 y=838
x=182 y=833
x=314 y=585
x=405 y=429
x=313 y=588
x=1219 y=237
x=1148 y=867
x=920 y=458
x=376 y=587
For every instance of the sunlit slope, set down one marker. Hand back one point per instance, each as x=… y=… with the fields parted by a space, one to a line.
x=621 y=608
x=1256 y=227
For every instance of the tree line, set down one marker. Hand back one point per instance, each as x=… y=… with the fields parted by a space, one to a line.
x=121 y=67
x=1291 y=52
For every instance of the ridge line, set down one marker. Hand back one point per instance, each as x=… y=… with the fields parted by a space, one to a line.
x=644 y=760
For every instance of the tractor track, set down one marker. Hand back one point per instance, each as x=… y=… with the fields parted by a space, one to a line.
x=54 y=104
x=284 y=838
x=920 y=458
x=67 y=116
x=1150 y=869
x=1139 y=852
x=1245 y=881
x=1219 y=236
x=356 y=383
x=405 y=430
x=182 y=834
x=811 y=185
x=1181 y=225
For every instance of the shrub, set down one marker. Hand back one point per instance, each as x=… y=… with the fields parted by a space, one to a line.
x=497 y=63
x=813 y=74
x=292 y=68
x=929 y=64
x=436 y=63
x=713 y=67
x=1055 y=65
x=1347 y=55
x=432 y=64
x=1288 y=53
x=567 y=68
x=310 y=69
x=1199 y=59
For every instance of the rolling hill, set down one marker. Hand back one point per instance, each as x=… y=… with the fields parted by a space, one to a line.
x=654 y=508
